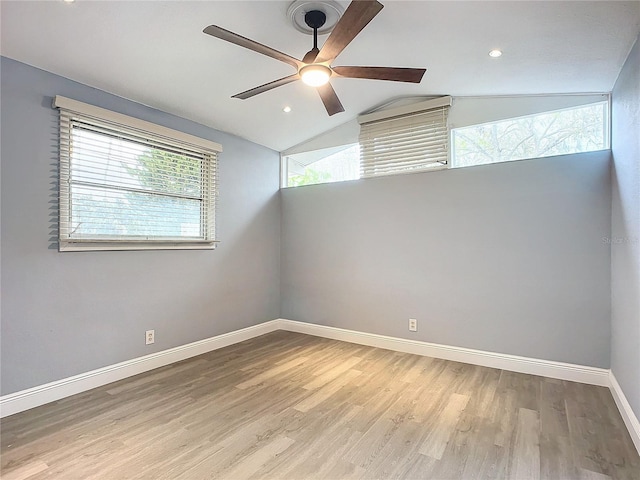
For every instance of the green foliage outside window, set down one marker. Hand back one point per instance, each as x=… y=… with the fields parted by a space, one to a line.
x=310 y=177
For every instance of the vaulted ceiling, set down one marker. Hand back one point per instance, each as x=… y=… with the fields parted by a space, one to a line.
x=155 y=53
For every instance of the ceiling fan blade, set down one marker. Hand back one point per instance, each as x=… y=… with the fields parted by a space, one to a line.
x=357 y=15
x=412 y=75
x=228 y=36
x=330 y=99
x=267 y=86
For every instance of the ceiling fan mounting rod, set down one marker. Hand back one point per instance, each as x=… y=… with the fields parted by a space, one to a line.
x=315 y=19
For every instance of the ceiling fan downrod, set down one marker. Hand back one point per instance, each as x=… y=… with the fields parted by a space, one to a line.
x=315 y=19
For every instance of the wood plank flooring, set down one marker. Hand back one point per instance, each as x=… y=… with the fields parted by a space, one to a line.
x=292 y=406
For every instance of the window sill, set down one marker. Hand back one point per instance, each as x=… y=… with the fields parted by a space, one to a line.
x=121 y=246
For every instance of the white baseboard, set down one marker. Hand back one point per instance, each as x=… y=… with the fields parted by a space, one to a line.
x=50 y=392
x=513 y=363
x=629 y=417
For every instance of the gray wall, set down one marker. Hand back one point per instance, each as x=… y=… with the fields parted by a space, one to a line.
x=509 y=258
x=625 y=230
x=67 y=313
x=506 y=258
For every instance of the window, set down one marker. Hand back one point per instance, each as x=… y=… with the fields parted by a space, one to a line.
x=407 y=143
x=336 y=164
x=126 y=184
x=409 y=139
x=559 y=132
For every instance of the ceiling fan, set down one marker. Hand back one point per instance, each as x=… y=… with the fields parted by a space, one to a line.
x=315 y=68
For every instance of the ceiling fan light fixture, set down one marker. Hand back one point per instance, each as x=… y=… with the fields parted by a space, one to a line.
x=315 y=75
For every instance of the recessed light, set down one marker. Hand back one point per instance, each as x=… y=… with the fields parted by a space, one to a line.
x=68 y=1
x=286 y=109
x=495 y=53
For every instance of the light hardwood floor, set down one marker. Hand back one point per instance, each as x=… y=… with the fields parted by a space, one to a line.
x=292 y=406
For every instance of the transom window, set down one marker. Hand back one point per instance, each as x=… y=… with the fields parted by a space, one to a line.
x=409 y=143
x=409 y=139
x=559 y=132
x=337 y=164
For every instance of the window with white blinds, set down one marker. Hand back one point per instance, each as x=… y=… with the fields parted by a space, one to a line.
x=126 y=184
x=408 y=143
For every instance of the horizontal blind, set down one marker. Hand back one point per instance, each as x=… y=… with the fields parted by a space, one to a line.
x=123 y=185
x=408 y=143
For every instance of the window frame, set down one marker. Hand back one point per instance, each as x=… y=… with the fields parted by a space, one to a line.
x=74 y=111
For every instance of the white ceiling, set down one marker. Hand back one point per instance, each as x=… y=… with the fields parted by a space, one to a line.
x=155 y=53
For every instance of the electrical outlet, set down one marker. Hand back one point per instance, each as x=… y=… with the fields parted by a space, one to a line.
x=413 y=325
x=150 y=337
